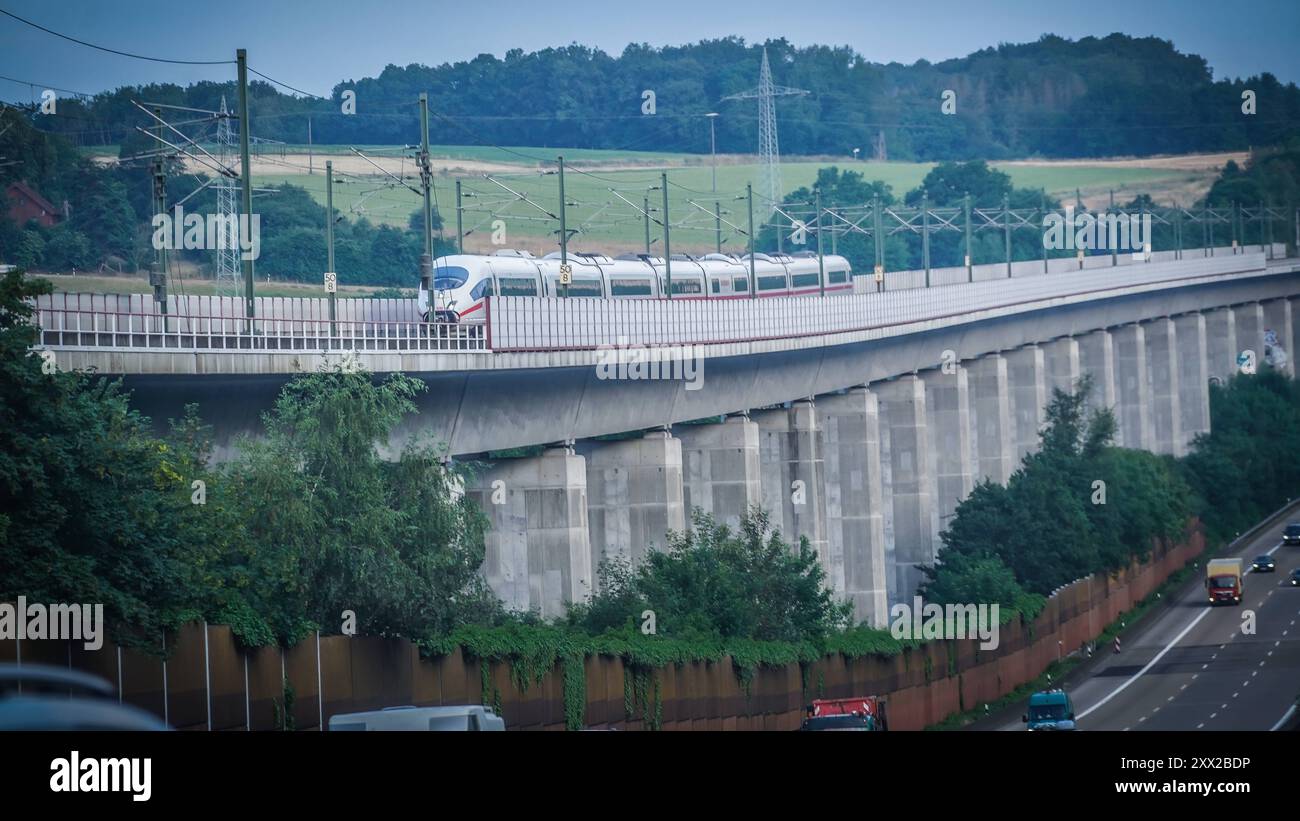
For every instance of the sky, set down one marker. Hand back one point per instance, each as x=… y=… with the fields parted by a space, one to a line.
x=314 y=45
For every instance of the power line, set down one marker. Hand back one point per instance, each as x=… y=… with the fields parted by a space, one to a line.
x=115 y=51
x=44 y=85
x=286 y=85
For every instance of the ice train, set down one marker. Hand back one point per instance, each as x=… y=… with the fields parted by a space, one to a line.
x=462 y=282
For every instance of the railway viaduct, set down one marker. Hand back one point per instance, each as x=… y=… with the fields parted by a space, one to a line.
x=859 y=421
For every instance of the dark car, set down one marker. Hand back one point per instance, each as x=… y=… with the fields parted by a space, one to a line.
x=40 y=697
x=1292 y=533
x=1264 y=564
x=1295 y=577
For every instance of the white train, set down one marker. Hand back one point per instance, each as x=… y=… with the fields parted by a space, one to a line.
x=461 y=282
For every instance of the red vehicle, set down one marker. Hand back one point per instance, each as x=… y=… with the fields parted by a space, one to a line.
x=859 y=713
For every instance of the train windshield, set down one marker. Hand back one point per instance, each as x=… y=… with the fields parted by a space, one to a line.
x=449 y=277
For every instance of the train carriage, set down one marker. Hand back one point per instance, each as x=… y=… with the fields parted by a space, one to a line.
x=461 y=283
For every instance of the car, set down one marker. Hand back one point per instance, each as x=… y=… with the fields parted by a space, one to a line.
x=1264 y=564
x=41 y=697
x=1292 y=533
x=468 y=717
x=1295 y=577
x=1050 y=710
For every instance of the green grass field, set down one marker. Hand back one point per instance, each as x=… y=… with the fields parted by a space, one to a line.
x=606 y=222
x=138 y=284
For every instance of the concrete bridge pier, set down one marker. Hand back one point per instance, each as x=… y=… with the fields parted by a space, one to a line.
x=634 y=495
x=948 y=417
x=721 y=468
x=538 y=551
x=1221 y=343
x=1133 y=416
x=1097 y=360
x=1193 y=376
x=1026 y=372
x=1063 y=363
x=1162 y=379
x=1277 y=318
x=1292 y=341
x=855 y=524
x=993 y=453
x=793 y=474
x=1250 y=330
x=908 y=513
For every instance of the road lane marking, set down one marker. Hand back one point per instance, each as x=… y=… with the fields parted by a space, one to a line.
x=1121 y=688
x=1148 y=666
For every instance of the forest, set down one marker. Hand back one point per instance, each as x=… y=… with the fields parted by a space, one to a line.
x=1114 y=95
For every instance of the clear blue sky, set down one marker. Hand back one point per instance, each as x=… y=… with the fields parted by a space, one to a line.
x=313 y=45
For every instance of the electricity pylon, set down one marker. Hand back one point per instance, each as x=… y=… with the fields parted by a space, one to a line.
x=768 y=147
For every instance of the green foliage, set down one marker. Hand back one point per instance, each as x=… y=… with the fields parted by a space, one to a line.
x=92 y=503
x=1052 y=97
x=1017 y=543
x=710 y=582
x=1245 y=468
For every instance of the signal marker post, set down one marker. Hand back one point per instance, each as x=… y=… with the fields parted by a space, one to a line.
x=331 y=278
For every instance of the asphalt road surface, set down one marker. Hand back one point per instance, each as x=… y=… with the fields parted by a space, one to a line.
x=1195 y=667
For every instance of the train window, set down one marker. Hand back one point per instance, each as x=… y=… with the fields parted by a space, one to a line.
x=740 y=284
x=688 y=286
x=771 y=283
x=481 y=290
x=804 y=280
x=449 y=277
x=583 y=287
x=630 y=287
x=838 y=277
x=717 y=286
x=518 y=286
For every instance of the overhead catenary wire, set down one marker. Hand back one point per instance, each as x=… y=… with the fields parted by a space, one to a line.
x=116 y=51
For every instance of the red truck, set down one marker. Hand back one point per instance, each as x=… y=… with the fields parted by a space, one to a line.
x=859 y=713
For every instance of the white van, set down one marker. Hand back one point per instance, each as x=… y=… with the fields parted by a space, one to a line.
x=470 y=717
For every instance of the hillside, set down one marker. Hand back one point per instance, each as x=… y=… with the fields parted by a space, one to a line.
x=1054 y=98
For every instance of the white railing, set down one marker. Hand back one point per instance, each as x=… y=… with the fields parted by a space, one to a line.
x=544 y=323
x=191 y=323
x=75 y=328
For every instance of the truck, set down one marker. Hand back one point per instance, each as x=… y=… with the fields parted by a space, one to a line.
x=1224 y=581
x=858 y=713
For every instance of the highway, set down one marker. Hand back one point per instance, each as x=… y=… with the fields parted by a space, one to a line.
x=1192 y=667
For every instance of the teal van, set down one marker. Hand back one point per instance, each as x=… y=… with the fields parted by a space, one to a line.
x=1050 y=710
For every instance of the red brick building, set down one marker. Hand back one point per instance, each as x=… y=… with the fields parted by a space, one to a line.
x=25 y=203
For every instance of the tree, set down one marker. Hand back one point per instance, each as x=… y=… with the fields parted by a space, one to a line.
x=711 y=582
x=90 y=500
x=333 y=526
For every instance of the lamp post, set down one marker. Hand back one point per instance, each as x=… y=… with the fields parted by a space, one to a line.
x=713 y=148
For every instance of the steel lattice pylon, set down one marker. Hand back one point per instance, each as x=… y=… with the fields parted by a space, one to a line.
x=229 y=275
x=769 y=149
